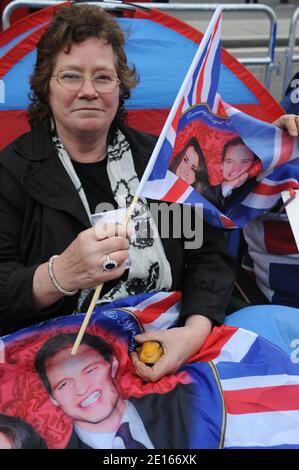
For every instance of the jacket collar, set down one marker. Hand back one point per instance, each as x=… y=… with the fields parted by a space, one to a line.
x=48 y=181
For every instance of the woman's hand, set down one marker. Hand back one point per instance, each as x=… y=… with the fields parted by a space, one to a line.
x=81 y=264
x=288 y=122
x=179 y=344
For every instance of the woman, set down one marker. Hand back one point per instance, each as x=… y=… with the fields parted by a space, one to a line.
x=190 y=165
x=80 y=154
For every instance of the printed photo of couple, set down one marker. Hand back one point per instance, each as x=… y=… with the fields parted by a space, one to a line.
x=208 y=155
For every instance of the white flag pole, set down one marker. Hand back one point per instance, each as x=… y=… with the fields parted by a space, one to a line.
x=177 y=101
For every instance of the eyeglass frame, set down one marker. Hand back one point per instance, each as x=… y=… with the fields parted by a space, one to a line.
x=117 y=81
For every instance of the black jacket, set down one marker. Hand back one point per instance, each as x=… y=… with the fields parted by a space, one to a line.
x=41 y=213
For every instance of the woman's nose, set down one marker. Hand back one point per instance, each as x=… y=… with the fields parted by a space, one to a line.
x=87 y=89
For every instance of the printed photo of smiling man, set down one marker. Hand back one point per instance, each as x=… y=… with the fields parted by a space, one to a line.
x=84 y=387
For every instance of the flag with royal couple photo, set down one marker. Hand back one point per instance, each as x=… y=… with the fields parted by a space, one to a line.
x=238 y=386
x=212 y=153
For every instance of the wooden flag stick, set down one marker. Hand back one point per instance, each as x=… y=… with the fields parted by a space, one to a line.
x=98 y=290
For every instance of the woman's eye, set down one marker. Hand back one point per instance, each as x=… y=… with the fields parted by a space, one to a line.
x=103 y=78
x=70 y=76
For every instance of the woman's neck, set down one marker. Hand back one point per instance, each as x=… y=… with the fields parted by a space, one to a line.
x=86 y=148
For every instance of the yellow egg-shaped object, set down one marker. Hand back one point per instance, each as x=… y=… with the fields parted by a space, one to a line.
x=150 y=352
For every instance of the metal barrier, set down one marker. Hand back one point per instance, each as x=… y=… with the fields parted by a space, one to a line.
x=266 y=61
x=289 y=52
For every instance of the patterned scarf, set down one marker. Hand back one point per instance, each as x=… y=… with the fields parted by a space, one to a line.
x=150 y=269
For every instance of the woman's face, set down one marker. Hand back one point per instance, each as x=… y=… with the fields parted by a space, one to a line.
x=188 y=165
x=237 y=160
x=84 y=111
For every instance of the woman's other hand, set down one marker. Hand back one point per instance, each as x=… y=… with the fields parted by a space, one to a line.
x=179 y=344
x=288 y=122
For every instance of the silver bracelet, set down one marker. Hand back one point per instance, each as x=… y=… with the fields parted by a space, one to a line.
x=54 y=280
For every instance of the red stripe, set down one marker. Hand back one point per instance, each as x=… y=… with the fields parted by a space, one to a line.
x=178 y=114
x=227 y=223
x=262 y=399
x=287 y=146
x=214 y=343
x=265 y=189
x=155 y=310
x=176 y=191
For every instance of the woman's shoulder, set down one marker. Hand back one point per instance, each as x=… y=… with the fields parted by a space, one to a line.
x=25 y=150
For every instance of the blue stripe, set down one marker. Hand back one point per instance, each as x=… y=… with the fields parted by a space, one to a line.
x=215 y=77
x=263 y=358
x=208 y=408
x=161 y=164
x=195 y=74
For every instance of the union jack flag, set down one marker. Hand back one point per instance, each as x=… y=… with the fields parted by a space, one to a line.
x=259 y=383
x=200 y=86
x=274 y=147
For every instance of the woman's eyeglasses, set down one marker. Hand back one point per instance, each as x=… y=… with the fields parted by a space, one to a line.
x=103 y=82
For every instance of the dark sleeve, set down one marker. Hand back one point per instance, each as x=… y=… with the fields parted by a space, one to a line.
x=209 y=277
x=16 y=302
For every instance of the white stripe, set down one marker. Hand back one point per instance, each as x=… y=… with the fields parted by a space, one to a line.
x=273 y=183
x=259 y=201
x=262 y=429
x=171 y=136
x=277 y=148
x=153 y=189
x=216 y=104
x=185 y=195
x=207 y=78
x=231 y=111
x=165 y=320
x=241 y=383
x=156 y=189
x=152 y=300
x=236 y=347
